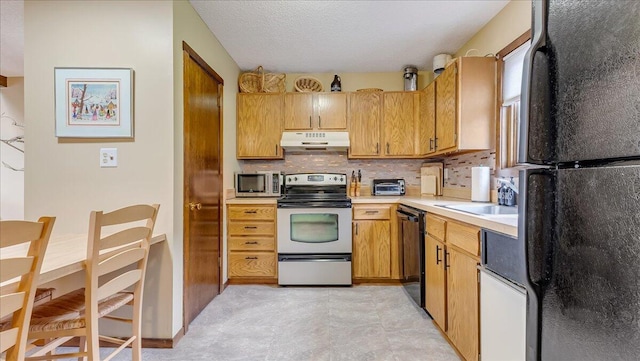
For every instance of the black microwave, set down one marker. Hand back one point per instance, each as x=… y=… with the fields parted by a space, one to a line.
x=258 y=184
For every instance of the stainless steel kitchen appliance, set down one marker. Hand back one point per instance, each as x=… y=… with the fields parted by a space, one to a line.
x=258 y=184
x=579 y=208
x=314 y=230
x=388 y=187
x=411 y=227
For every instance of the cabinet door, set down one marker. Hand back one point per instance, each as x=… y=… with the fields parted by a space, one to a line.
x=298 y=111
x=435 y=283
x=446 y=108
x=427 y=120
x=259 y=126
x=462 y=303
x=332 y=111
x=399 y=123
x=371 y=249
x=364 y=124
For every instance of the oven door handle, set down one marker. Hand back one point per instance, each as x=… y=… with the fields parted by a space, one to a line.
x=408 y=216
x=310 y=258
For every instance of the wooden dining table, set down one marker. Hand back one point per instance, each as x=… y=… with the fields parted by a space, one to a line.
x=66 y=254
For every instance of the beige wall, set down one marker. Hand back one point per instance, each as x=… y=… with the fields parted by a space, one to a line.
x=11 y=182
x=512 y=21
x=62 y=177
x=188 y=27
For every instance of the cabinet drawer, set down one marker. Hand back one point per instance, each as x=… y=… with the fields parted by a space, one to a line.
x=256 y=264
x=262 y=213
x=239 y=228
x=464 y=236
x=436 y=226
x=252 y=244
x=371 y=212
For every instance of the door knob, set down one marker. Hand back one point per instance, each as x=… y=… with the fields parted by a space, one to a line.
x=198 y=206
x=193 y=206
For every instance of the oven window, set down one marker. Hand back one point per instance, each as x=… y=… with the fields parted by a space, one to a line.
x=251 y=183
x=314 y=227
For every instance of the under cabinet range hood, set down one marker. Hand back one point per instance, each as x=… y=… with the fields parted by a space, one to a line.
x=304 y=141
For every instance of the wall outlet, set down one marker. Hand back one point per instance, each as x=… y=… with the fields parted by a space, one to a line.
x=108 y=157
x=446 y=173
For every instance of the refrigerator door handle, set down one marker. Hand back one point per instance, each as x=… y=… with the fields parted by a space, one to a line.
x=538 y=43
x=536 y=214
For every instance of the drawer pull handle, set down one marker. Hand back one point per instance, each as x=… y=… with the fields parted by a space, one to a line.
x=251 y=258
x=250 y=227
x=253 y=242
x=371 y=212
x=250 y=212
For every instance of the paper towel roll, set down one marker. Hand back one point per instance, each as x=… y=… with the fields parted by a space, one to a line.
x=480 y=181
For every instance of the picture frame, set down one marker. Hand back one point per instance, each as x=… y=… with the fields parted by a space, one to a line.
x=94 y=102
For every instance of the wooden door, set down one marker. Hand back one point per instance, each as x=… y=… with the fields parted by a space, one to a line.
x=398 y=118
x=371 y=249
x=202 y=184
x=259 y=126
x=332 y=111
x=427 y=120
x=298 y=111
x=435 y=282
x=446 y=108
x=364 y=124
x=462 y=303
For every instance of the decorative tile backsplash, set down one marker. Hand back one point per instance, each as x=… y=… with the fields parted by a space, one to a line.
x=459 y=166
x=336 y=162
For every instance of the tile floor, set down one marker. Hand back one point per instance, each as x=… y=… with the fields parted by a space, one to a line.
x=270 y=323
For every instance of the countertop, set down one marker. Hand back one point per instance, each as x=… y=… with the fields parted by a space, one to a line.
x=503 y=224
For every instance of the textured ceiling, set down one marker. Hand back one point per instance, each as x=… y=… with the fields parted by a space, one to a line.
x=343 y=36
x=11 y=37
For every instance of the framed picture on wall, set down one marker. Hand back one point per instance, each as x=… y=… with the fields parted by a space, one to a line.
x=94 y=102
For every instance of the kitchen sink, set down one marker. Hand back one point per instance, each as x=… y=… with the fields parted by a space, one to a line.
x=483 y=210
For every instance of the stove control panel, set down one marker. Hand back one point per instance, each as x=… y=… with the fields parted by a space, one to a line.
x=317 y=179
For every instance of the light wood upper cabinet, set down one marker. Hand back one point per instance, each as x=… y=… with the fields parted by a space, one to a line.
x=466 y=106
x=427 y=120
x=332 y=111
x=259 y=126
x=446 y=102
x=364 y=123
x=323 y=111
x=399 y=119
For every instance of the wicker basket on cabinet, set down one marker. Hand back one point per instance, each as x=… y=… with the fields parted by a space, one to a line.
x=258 y=81
x=308 y=84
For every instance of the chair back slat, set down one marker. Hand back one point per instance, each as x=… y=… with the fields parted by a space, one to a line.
x=17 y=232
x=120 y=260
x=14 y=267
x=128 y=214
x=125 y=237
x=8 y=338
x=18 y=299
x=11 y=303
x=119 y=283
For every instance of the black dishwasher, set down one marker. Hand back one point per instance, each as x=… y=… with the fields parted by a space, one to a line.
x=411 y=235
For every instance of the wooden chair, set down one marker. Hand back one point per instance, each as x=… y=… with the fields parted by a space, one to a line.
x=115 y=268
x=18 y=300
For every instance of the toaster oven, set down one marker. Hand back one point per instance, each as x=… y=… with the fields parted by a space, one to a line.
x=388 y=187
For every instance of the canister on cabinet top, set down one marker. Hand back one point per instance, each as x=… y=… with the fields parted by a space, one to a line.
x=410 y=78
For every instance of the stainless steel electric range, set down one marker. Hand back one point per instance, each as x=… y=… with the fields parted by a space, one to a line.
x=314 y=230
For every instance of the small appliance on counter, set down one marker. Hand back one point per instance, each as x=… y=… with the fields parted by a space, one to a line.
x=388 y=187
x=258 y=184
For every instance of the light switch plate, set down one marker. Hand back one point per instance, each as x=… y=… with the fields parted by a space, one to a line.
x=108 y=157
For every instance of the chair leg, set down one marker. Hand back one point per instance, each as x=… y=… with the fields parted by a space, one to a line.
x=82 y=347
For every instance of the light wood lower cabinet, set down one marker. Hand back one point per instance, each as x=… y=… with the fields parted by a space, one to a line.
x=251 y=243
x=375 y=243
x=452 y=251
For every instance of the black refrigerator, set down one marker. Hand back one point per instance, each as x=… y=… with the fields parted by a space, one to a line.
x=579 y=217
